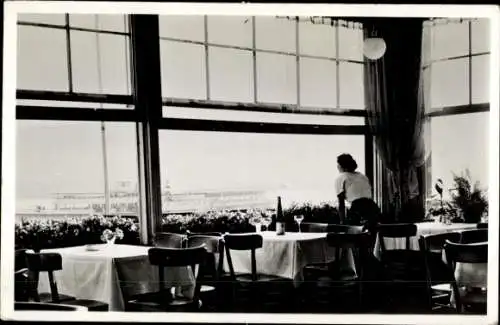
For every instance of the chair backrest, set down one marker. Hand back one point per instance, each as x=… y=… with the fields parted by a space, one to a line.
x=215 y=249
x=243 y=242
x=466 y=253
x=169 y=240
x=174 y=257
x=482 y=225
x=20 y=259
x=39 y=306
x=313 y=227
x=474 y=236
x=43 y=262
x=434 y=243
x=213 y=233
x=170 y=257
x=396 y=230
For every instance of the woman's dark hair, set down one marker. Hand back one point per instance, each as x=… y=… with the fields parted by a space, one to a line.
x=347 y=162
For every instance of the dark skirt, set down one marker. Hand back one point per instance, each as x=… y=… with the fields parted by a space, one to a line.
x=363 y=212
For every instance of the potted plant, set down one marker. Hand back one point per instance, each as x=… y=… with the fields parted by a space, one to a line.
x=469 y=199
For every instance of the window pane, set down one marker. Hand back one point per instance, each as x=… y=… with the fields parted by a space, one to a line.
x=41 y=59
x=480 y=36
x=105 y=22
x=65 y=159
x=231 y=75
x=454 y=150
x=317 y=83
x=246 y=116
x=183 y=70
x=52 y=19
x=182 y=27
x=111 y=67
x=276 y=78
x=480 y=79
x=275 y=34
x=216 y=170
x=350 y=43
x=450 y=40
x=230 y=30
x=351 y=85
x=450 y=83
x=317 y=39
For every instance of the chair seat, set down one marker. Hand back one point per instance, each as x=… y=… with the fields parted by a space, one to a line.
x=92 y=305
x=47 y=297
x=247 y=277
x=443 y=287
x=158 y=301
x=207 y=288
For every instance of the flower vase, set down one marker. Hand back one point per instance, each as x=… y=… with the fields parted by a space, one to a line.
x=111 y=241
x=258 y=228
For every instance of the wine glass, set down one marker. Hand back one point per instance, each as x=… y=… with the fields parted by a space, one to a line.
x=298 y=219
x=256 y=220
x=267 y=219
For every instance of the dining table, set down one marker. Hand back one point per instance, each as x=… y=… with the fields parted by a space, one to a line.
x=423 y=228
x=286 y=255
x=92 y=272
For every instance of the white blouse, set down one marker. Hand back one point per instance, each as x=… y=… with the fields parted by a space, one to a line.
x=355 y=185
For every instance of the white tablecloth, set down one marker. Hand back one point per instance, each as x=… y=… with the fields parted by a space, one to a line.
x=93 y=275
x=423 y=228
x=285 y=255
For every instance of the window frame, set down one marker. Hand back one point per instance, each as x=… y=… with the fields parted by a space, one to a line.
x=148 y=108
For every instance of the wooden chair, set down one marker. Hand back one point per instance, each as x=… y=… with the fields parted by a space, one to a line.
x=210 y=281
x=338 y=283
x=169 y=240
x=162 y=300
x=21 y=292
x=320 y=268
x=474 y=236
x=40 y=306
x=257 y=291
x=482 y=225
x=438 y=274
x=50 y=262
x=473 y=299
x=405 y=268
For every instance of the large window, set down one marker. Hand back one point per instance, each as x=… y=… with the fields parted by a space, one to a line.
x=268 y=62
x=210 y=170
x=73 y=166
x=62 y=167
x=458 y=72
x=295 y=86
x=264 y=59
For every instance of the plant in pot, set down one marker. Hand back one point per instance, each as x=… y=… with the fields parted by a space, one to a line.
x=470 y=200
x=440 y=209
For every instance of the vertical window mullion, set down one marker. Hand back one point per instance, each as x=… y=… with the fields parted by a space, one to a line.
x=254 y=62
x=207 y=62
x=337 y=65
x=297 y=60
x=470 y=62
x=68 y=53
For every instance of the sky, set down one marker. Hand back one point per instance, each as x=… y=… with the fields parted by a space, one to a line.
x=67 y=156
